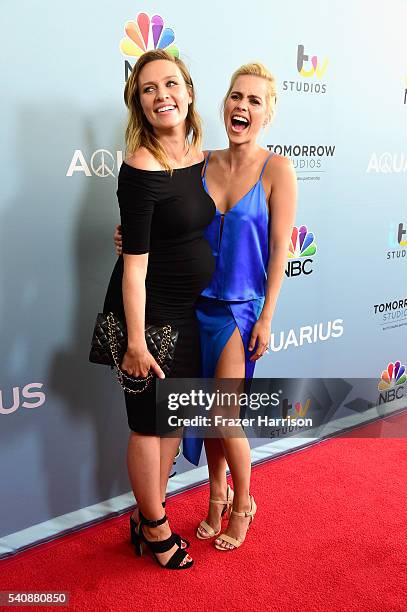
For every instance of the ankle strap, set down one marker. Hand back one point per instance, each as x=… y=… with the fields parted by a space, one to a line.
x=148 y=523
x=248 y=512
x=224 y=502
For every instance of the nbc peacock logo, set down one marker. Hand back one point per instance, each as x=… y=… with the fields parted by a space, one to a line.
x=394 y=375
x=302 y=248
x=145 y=34
x=391 y=382
x=302 y=243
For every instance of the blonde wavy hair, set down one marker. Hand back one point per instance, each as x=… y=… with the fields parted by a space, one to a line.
x=139 y=132
x=256 y=69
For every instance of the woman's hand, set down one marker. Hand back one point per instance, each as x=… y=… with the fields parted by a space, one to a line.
x=260 y=338
x=117 y=238
x=138 y=363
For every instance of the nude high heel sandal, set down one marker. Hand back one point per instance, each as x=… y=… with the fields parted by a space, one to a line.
x=227 y=504
x=236 y=543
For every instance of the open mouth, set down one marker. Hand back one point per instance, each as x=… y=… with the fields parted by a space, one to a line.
x=239 y=123
x=166 y=109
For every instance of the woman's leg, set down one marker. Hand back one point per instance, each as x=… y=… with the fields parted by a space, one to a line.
x=215 y=457
x=231 y=364
x=144 y=467
x=168 y=450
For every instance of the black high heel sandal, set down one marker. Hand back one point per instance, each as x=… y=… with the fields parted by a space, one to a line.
x=134 y=530
x=161 y=546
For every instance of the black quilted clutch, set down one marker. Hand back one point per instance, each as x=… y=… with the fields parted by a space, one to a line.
x=109 y=344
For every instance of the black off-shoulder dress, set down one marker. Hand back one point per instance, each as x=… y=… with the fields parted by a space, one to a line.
x=165 y=216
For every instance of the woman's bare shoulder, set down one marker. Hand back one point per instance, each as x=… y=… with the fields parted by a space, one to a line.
x=279 y=172
x=280 y=161
x=218 y=156
x=277 y=165
x=143 y=159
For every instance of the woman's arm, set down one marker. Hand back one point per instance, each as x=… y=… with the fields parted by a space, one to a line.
x=117 y=239
x=282 y=203
x=134 y=298
x=137 y=360
x=136 y=201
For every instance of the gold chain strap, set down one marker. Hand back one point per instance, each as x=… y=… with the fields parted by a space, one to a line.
x=113 y=349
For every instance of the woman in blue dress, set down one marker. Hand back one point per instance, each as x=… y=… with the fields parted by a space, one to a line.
x=255 y=196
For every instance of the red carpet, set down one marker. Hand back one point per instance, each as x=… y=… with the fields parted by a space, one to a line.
x=330 y=534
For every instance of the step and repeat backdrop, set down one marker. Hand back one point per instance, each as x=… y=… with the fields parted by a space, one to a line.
x=341 y=117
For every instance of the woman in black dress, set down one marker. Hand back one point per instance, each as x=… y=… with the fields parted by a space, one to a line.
x=166 y=263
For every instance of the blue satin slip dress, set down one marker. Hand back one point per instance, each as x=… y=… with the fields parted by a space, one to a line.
x=235 y=296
